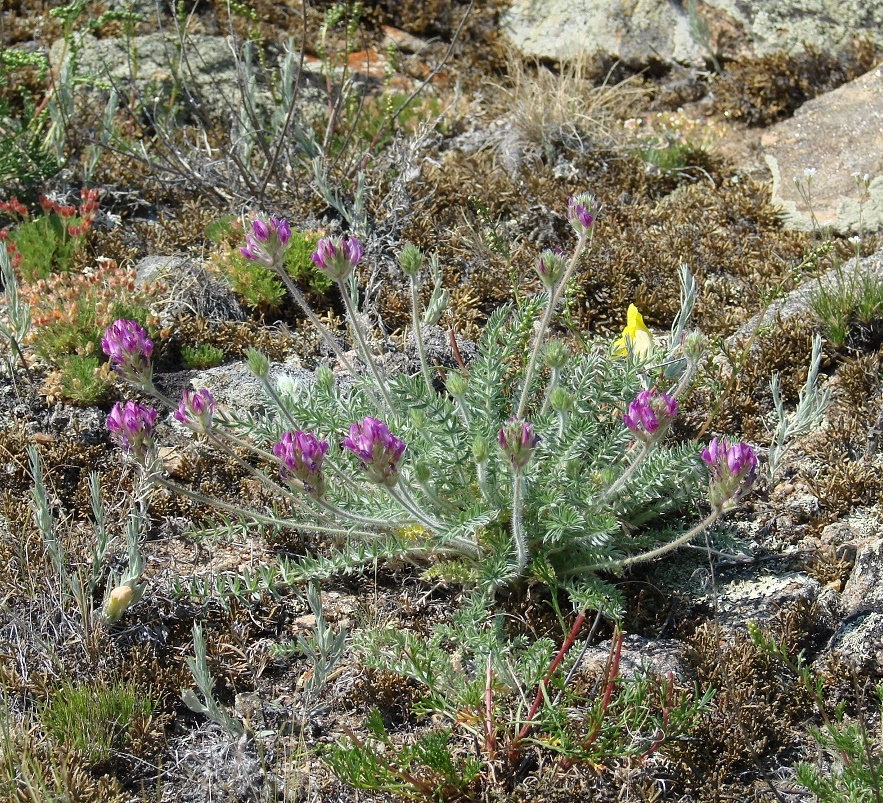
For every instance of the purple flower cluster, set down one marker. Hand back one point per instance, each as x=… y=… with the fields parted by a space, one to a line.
x=377 y=448
x=582 y=210
x=518 y=441
x=131 y=426
x=195 y=410
x=732 y=469
x=129 y=348
x=267 y=241
x=301 y=455
x=337 y=257
x=650 y=414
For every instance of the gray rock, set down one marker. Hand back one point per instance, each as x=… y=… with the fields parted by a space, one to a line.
x=633 y=32
x=234 y=386
x=803 y=508
x=741 y=600
x=645 y=31
x=864 y=589
x=859 y=641
x=209 y=70
x=657 y=657
x=190 y=288
x=838 y=134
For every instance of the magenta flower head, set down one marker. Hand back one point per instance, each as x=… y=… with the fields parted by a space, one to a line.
x=337 y=257
x=131 y=427
x=267 y=241
x=301 y=455
x=650 y=414
x=551 y=266
x=129 y=349
x=582 y=210
x=195 y=410
x=732 y=470
x=518 y=441
x=377 y=448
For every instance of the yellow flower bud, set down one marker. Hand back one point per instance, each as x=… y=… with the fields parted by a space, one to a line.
x=635 y=334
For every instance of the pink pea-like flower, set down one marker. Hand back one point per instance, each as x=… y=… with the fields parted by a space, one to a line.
x=582 y=211
x=377 y=449
x=732 y=470
x=126 y=343
x=267 y=241
x=301 y=455
x=649 y=414
x=131 y=426
x=195 y=410
x=337 y=257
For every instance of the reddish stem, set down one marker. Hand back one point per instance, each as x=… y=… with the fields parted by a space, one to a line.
x=666 y=710
x=568 y=643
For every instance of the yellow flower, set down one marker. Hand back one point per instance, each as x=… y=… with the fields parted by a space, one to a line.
x=121 y=598
x=636 y=335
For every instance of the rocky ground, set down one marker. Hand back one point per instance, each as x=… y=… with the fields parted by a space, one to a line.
x=692 y=143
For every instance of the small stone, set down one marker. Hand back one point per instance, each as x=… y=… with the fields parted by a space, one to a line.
x=864 y=589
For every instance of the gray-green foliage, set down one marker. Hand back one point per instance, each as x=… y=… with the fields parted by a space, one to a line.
x=323 y=649
x=573 y=528
x=849 y=767
x=208 y=705
x=590 y=498
x=15 y=315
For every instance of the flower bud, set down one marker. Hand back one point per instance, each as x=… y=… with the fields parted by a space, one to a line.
x=694 y=346
x=732 y=470
x=555 y=355
x=582 y=210
x=422 y=472
x=325 y=378
x=410 y=260
x=551 y=267
x=480 y=451
x=518 y=441
x=456 y=385
x=257 y=363
x=121 y=598
x=195 y=410
x=560 y=400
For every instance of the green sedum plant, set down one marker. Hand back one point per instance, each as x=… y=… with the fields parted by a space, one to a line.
x=532 y=463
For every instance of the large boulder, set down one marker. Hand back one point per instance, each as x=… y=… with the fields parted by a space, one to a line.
x=838 y=135
x=639 y=32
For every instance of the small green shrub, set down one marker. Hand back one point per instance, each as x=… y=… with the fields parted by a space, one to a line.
x=198 y=358
x=70 y=310
x=94 y=719
x=25 y=158
x=82 y=379
x=849 y=299
x=257 y=286
x=41 y=246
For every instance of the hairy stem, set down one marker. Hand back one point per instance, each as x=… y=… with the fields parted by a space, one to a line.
x=519 y=539
x=549 y=312
x=418 y=336
x=362 y=344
